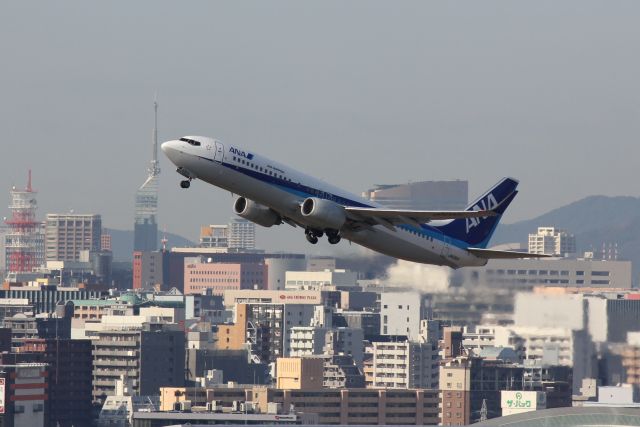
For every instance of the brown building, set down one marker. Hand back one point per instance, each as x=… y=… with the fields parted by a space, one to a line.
x=340 y=406
x=470 y=388
x=299 y=373
x=233 y=336
x=451 y=343
x=630 y=355
x=215 y=277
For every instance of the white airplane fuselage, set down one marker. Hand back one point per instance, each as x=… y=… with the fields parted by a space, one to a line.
x=283 y=189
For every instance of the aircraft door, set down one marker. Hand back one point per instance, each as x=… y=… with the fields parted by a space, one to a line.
x=446 y=245
x=219 y=154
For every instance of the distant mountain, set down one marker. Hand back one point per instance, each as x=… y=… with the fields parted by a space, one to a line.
x=594 y=220
x=122 y=243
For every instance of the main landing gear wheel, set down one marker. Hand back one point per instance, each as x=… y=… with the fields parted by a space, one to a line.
x=333 y=238
x=312 y=236
x=185 y=184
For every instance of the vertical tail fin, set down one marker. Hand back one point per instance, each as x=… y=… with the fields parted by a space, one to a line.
x=477 y=231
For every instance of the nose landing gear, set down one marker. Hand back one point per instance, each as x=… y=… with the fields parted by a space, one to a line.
x=187 y=174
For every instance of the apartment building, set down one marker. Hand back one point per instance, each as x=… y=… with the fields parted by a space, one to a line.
x=404 y=364
x=552 y=241
x=132 y=352
x=333 y=406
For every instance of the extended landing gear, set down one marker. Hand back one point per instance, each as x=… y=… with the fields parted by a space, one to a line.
x=312 y=235
x=187 y=174
x=333 y=237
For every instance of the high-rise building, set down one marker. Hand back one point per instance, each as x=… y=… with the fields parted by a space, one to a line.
x=69 y=234
x=427 y=195
x=242 y=234
x=552 y=241
x=146 y=209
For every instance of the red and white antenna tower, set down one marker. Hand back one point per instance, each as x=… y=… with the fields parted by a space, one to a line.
x=21 y=237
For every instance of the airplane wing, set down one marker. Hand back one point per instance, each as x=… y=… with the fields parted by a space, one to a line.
x=391 y=217
x=493 y=254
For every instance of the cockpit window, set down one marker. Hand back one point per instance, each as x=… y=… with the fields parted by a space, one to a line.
x=191 y=141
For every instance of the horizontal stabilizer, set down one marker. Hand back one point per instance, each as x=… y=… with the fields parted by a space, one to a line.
x=492 y=254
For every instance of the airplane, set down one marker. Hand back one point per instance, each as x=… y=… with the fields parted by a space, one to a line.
x=270 y=193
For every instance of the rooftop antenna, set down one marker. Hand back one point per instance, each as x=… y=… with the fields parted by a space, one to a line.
x=164 y=240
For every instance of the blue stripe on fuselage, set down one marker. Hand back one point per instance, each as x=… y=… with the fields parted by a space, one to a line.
x=306 y=191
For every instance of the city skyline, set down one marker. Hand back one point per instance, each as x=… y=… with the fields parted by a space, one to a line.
x=421 y=100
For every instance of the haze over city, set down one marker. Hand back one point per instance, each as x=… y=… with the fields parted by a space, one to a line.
x=257 y=213
x=356 y=93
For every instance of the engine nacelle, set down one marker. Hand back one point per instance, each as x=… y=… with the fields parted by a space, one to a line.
x=255 y=212
x=323 y=214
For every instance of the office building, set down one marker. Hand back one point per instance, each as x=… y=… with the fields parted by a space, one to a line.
x=247 y=296
x=552 y=241
x=424 y=195
x=608 y=316
x=45 y=298
x=525 y=274
x=278 y=264
x=319 y=263
x=166 y=268
x=67 y=235
x=201 y=276
x=316 y=280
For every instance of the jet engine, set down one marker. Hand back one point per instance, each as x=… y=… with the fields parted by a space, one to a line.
x=323 y=214
x=255 y=212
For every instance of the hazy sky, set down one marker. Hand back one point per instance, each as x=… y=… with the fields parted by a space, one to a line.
x=356 y=93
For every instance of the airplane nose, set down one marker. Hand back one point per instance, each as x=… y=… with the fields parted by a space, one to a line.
x=170 y=149
x=165 y=146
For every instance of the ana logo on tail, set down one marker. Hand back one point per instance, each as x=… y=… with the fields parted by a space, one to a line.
x=487 y=204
